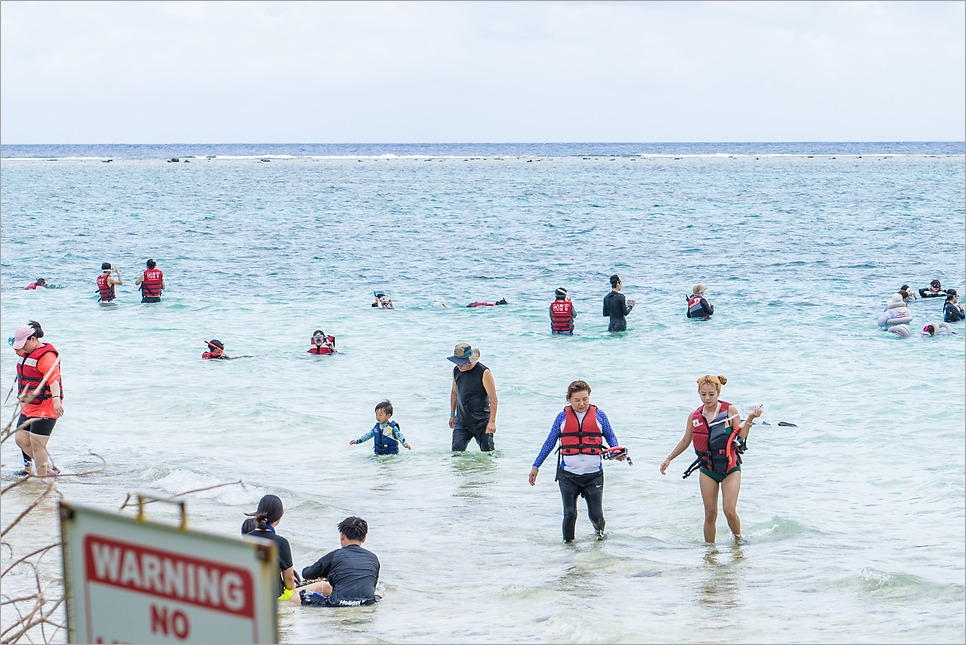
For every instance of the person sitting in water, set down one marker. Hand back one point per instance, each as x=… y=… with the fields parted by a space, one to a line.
x=488 y=304
x=39 y=283
x=896 y=317
x=952 y=312
x=351 y=573
x=382 y=300
x=935 y=290
x=386 y=434
x=322 y=344
x=562 y=314
x=930 y=329
x=906 y=296
x=261 y=524
x=698 y=306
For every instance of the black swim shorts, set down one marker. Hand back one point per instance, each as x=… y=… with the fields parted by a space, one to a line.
x=38 y=425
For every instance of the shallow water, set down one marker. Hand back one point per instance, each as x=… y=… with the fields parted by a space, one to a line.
x=854 y=519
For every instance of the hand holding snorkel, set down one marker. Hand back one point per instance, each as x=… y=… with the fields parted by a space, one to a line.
x=618 y=453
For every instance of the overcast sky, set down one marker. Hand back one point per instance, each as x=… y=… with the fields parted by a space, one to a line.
x=402 y=72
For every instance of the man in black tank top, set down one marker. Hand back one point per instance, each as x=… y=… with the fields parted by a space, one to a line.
x=472 y=403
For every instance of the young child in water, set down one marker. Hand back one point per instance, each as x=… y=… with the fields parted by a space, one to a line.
x=385 y=434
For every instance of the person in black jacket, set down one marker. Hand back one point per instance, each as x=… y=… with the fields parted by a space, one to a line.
x=698 y=306
x=935 y=290
x=952 y=312
x=615 y=306
x=350 y=573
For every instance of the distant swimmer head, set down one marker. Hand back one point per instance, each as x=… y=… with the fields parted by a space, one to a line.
x=354 y=528
x=699 y=289
x=216 y=344
x=105 y=266
x=929 y=329
x=561 y=293
x=502 y=301
x=952 y=295
x=615 y=280
x=935 y=284
x=151 y=264
x=464 y=355
x=905 y=295
x=904 y=287
x=41 y=282
x=318 y=336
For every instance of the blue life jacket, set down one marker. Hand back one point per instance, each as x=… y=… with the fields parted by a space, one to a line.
x=383 y=444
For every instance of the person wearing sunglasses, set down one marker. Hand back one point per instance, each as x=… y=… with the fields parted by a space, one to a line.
x=42 y=400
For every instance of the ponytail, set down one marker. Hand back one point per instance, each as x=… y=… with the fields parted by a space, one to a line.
x=269 y=511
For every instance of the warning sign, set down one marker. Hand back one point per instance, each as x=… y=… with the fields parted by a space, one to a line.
x=135 y=581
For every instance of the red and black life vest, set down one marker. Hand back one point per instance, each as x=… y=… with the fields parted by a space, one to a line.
x=581 y=437
x=714 y=442
x=561 y=318
x=695 y=309
x=104 y=288
x=151 y=286
x=322 y=349
x=29 y=375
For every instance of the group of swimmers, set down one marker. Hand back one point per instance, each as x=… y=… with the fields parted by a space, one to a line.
x=896 y=317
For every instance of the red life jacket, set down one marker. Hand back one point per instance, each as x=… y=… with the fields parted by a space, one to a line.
x=32 y=285
x=695 y=310
x=561 y=316
x=151 y=286
x=209 y=355
x=104 y=289
x=580 y=437
x=29 y=376
x=714 y=442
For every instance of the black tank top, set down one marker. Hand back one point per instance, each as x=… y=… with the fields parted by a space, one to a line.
x=472 y=401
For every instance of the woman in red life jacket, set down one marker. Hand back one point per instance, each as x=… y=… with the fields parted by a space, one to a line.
x=715 y=429
x=152 y=283
x=322 y=344
x=581 y=429
x=42 y=404
x=39 y=283
x=106 y=282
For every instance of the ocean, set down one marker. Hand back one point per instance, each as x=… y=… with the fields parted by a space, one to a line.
x=854 y=517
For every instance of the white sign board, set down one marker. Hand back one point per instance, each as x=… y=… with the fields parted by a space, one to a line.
x=135 y=581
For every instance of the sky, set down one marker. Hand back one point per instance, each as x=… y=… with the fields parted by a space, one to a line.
x=450 y=72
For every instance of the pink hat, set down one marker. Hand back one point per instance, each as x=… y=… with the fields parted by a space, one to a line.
x=21 y=335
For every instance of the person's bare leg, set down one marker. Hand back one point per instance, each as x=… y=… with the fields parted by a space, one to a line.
x=729 y=502
x=323 y=588
x=23 y=442
x=38 y=447
x=709 y=495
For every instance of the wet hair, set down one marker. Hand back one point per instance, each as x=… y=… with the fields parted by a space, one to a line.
x=151 y=264
x=385 y=406
x=930 y=329
x=904 y=287
x=105 y=266
x=614 y=279
x=716 y=381
x=950 y=295
x=936 y=283
x=905 y=294
x=248 y=526
x=354 y=528
x=38 y=330
x=41 y=281
x=269 y=511
x=215 y=343
x=577 y=386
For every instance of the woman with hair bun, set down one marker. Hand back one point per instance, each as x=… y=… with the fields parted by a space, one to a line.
x=718 y=436
x=262 y=524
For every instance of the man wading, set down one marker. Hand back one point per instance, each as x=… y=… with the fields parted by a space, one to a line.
x=615 y=306
x=472 y=403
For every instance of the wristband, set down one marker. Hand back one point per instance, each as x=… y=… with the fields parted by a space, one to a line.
x=452 y=415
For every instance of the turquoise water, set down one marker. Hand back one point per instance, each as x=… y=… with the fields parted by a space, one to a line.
x=854 y=518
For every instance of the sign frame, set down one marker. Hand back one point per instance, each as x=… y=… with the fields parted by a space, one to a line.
x=119 y=570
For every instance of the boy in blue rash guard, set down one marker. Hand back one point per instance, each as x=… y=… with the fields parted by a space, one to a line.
x=580 y=428
x=386 y=434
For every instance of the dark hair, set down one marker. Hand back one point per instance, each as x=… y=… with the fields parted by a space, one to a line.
x=38 y=330
x=385 y=406
x=41 y=281
x=614 y=279
x=105 y=266
x=560 y=293
x=577 y=386
x=354 y=528
x=216 y=343
x=905 y=294
x=269 y=511
x=936 y=283
x=950 y=295
x=248 y=526
x=904 y=287
x=151 y=264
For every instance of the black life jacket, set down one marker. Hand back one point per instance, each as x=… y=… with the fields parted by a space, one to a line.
x=385 y=444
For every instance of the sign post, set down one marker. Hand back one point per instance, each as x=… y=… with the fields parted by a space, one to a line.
x=130 y=580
